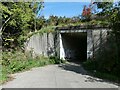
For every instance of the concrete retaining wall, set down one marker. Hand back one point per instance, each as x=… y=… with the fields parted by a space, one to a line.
x=95 y=38
x=41 y=44
x=51 y=44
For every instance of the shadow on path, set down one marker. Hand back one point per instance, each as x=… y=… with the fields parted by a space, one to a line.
x=77 y=68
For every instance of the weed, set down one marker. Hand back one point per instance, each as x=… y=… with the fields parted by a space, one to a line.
x=13 y=62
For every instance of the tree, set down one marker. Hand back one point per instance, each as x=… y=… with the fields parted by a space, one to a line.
x=40 y=22
x=115 y=24
x=110 y=51
x=86 y=14
x=17 y=22
x=53 y=20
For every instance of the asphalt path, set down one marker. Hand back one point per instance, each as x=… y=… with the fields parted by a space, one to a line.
x=68 y=75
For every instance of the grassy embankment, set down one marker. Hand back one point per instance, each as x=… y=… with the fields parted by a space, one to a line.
x=13 y=62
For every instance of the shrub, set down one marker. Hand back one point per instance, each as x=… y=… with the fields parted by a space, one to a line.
x=17 y=61
x=90 y=65
x=106 y=61
x=55 y=59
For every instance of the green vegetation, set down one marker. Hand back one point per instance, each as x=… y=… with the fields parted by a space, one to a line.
x=106 y=61
x=17 y=61
x=92 y=67
x=18 y=19
x=19 y=22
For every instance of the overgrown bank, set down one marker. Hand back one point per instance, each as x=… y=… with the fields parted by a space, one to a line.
x=106 y=63
x=92 y=68
x=17 y=61
x=20 y=23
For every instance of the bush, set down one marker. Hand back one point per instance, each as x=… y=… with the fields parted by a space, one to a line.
x=107 y=58
x=90 y=65
x=55 y=59
x=17 y=61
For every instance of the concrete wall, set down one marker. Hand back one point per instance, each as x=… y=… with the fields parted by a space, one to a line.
x=57 y=44
x=41 y=44
x=50 y=44
x=94 y=39
x=62 y=49
x=73 y=45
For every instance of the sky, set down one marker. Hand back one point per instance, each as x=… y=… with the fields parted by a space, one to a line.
x=68 y=9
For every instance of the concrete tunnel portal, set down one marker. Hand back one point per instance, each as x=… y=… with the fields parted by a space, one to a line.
x=74 y=46
x=68 y=43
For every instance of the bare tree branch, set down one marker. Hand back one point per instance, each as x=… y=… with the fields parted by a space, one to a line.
x=4 y=24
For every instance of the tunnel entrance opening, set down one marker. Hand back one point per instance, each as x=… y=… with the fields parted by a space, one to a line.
x=75 y=46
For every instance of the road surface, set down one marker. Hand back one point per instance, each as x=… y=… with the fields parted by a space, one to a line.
x=57 y=76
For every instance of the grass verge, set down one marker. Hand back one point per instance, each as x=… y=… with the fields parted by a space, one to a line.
x=18 y=62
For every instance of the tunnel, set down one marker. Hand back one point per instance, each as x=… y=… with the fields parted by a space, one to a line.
x=75 y=46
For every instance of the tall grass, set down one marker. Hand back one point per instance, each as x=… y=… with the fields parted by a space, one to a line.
x=18 y=61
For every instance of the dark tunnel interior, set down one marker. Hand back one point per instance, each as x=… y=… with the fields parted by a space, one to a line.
x=75 y=46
